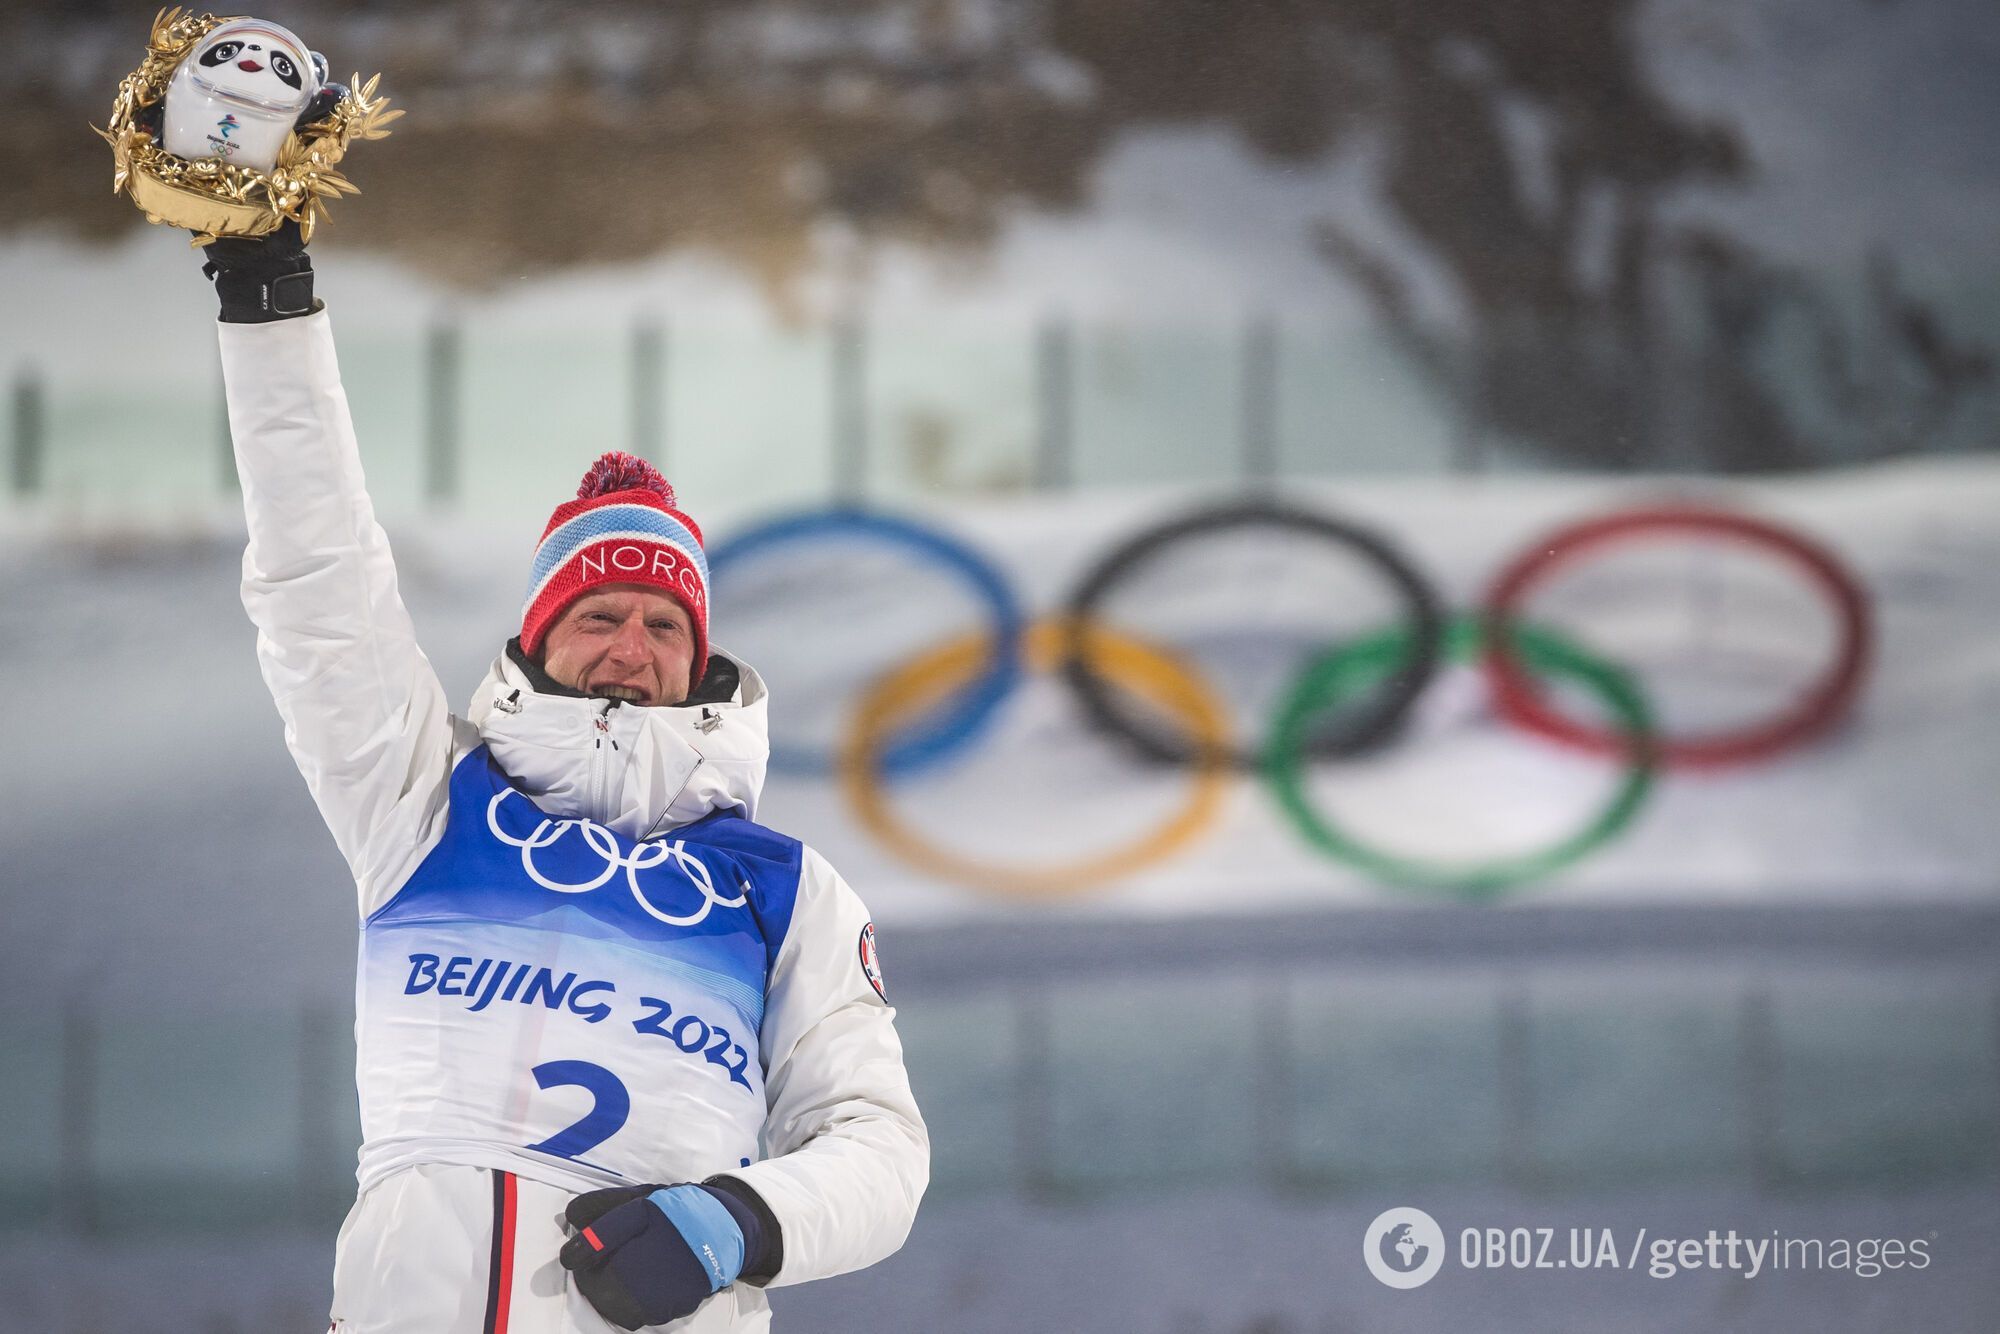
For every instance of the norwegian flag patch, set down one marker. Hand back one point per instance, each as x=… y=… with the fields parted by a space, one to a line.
x=871 y=962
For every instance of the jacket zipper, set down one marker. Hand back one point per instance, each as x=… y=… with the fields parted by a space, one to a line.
x=604 y=758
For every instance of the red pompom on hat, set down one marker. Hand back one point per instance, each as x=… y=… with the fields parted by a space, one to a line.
x=619 y=471
x=624 y=527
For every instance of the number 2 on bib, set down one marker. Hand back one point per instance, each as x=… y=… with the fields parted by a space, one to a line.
x=610 y=1106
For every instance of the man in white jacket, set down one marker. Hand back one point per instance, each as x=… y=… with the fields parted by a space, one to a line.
x=624 y=1056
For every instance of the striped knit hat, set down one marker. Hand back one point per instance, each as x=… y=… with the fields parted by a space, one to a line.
x=622 y=528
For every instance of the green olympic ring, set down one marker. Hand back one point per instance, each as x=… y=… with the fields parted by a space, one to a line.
x=1341 y=673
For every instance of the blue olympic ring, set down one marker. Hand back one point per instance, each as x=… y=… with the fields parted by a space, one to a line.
x=937 y=736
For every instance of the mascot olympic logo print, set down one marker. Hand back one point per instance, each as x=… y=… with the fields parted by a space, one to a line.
x=605 y=844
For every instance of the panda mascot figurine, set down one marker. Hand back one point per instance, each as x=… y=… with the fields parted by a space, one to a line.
x=241 y=91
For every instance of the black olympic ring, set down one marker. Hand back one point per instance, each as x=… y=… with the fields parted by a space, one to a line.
x=1364 y=729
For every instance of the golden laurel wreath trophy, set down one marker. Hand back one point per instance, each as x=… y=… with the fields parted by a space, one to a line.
x=230 y=126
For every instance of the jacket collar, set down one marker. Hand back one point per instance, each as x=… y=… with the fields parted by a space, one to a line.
x=636 y=770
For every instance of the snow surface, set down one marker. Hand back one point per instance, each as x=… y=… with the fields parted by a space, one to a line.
x=143 y=741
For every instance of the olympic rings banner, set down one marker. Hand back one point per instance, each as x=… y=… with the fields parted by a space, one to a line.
x=1173 y=701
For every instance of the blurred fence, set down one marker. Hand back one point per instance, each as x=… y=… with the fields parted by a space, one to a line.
x=494 y=415
x=1792 y=1050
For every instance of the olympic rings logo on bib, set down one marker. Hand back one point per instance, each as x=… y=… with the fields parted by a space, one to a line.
x=643 y=856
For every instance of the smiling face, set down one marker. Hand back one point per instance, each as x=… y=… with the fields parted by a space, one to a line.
x=258 y=64
x=623 y=641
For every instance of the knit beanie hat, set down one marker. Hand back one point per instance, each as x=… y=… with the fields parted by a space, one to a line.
x=622 y=528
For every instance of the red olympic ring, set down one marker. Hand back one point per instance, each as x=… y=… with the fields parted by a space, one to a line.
x=1520 y=700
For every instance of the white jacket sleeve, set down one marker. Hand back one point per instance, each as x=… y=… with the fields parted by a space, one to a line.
x=849 y=1155
x=365 y=716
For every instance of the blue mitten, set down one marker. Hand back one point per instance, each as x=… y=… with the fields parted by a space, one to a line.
x=644 y=1255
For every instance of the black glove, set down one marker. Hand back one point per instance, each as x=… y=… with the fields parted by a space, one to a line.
x=644 y=1255
x=263 y=278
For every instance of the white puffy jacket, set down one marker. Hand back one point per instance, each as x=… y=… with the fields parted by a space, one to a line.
x=581 y=961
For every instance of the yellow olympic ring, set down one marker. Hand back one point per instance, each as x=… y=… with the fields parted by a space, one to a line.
x=1148 y=672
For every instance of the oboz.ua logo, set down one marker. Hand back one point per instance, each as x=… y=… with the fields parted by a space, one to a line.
x=605 y=844
x=1404 y=1247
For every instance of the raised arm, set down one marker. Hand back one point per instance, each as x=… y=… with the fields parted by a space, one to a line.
x=365 y=716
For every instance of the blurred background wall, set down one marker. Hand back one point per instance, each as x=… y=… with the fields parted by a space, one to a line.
x=919 y=301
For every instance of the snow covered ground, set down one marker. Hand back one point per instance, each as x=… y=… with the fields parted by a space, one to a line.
x=158 y=745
